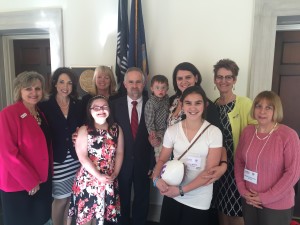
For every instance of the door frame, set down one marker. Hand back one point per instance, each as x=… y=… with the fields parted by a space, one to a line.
x=9 y=62
x=263 y=42
x=45 y=22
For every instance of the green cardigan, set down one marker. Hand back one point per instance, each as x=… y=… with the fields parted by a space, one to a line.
x=240 y=117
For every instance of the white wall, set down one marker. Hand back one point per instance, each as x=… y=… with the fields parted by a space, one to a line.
x=198 y=31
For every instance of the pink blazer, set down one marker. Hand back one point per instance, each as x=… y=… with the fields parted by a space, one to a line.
x=24 y=156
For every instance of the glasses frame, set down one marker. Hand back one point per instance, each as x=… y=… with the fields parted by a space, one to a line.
x=227 y=78
x=98 y=108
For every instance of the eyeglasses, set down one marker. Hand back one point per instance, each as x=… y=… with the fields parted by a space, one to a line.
x=98 y=108
x=227 y=78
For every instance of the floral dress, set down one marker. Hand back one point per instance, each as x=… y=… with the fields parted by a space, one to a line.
x=90 y=198
x=175 y=119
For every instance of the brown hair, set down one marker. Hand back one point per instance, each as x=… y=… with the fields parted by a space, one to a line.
x=228 y=64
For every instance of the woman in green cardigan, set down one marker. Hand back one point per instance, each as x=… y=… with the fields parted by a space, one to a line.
x=234 y=112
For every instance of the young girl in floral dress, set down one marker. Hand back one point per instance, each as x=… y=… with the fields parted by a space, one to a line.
x=100 y=147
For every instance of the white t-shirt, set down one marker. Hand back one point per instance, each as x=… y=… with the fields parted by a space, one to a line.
x=194 y=160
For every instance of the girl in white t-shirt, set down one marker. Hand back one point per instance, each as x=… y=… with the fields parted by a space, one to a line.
x=189 y=202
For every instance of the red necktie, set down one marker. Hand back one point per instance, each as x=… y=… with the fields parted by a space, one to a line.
x=134 y=119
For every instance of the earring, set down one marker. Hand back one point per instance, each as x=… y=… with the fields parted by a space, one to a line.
x=233 y=87
x=215 y=87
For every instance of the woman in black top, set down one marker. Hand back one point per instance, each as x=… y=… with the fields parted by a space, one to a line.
x=64 y=114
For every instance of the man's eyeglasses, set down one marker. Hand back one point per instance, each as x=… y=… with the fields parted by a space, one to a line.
x=227 y=78
x=98 y=108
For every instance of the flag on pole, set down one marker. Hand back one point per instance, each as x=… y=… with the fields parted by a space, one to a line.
x=137 y=52
x=122 y=41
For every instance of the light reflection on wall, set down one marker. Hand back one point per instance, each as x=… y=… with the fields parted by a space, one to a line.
x=107 y=27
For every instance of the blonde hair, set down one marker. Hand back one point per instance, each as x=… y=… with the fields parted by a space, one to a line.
x=26 y=79
x=274 y=100
x=106 y=70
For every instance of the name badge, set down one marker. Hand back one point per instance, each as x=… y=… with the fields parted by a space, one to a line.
x=193 y=163
x=250 y=176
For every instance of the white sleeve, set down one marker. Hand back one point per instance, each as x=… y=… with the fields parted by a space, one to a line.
x=215 y=137
x=169 y=137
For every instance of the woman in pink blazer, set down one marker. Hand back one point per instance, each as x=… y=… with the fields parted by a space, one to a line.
x=25 y=155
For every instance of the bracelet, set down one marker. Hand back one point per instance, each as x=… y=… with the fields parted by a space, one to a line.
x=154 y=181
x=223 y=162
x=180 y=190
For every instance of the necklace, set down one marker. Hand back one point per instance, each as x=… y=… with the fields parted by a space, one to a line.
x=222 y=99
x=261 y=150
x=269 y=134
x=63 y=106
x=37 y=117
x=60 y=103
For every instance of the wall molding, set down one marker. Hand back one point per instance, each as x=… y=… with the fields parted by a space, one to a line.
x=28 y=25
x=263 y=45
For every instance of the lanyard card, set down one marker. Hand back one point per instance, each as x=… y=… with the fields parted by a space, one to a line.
x=250 y=176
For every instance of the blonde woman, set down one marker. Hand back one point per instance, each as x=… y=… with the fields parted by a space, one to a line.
x=267 y=164
x=105 y=84
x=25 y=155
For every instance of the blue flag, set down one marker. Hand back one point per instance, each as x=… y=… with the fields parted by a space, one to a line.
x=137 y=53
x=122 y=41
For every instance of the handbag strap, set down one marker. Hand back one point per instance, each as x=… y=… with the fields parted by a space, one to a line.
x=193 y=142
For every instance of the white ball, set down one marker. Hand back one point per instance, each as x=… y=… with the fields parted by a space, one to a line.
x=172 y=172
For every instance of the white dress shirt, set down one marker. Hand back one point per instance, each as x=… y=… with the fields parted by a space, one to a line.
x=139 y=106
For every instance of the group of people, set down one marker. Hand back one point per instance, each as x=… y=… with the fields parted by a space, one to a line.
x=241 y=164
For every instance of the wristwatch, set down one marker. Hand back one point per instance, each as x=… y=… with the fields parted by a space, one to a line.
x=180 y=190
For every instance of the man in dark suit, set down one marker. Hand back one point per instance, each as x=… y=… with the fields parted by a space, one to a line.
x=138 y=153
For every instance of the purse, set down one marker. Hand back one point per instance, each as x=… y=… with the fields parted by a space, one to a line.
x=173 y=171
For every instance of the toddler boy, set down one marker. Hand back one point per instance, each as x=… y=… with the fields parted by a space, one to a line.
x=157 y=110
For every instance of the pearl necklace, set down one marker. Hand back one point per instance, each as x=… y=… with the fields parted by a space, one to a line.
x=269 y=134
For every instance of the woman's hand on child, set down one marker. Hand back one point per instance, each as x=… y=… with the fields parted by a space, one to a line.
x=214 y=174
x=75 y=135
x=153 y=139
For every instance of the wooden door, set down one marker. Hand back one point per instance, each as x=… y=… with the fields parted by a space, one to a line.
x=286 y=83
x=33 y=54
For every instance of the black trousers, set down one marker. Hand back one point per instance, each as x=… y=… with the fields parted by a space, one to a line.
x=19 y=208
x=141 y=193
x=175 y=213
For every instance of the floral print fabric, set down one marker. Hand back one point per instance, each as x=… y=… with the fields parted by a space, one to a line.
x=90 y=198
x=173 y=119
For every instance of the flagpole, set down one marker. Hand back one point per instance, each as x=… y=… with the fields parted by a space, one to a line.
x=136 y=30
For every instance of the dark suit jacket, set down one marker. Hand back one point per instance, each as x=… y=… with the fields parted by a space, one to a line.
x=138 y=153
x=62 y=128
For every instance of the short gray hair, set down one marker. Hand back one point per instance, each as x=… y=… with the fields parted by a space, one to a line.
x=26 y=79
x=137 y=70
